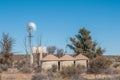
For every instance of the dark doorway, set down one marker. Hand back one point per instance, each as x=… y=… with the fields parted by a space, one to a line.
x=59 y=65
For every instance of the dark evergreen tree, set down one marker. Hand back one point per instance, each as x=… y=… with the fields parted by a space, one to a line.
x=60 y=53
x=82 y=44
x=51 y=49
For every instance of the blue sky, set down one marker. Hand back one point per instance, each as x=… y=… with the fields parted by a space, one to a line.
x=57 y=20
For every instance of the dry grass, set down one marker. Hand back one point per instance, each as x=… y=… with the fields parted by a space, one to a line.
x=16 y=76
x=56 y=76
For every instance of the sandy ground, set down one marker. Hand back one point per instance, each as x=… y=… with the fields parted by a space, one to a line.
x=15 y=76
x=21 y=76
x=99 y=76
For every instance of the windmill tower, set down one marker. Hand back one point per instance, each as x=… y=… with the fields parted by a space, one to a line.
x=31 y=27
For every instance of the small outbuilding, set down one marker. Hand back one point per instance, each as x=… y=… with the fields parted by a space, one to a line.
x=81 y=60
x=48 y=61
x=66 y=60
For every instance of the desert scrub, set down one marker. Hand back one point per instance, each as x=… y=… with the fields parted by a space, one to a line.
x=72 y=70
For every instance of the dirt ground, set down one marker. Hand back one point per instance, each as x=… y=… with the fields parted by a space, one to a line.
x=99 y=76
x=22 y=76
x=15 y=76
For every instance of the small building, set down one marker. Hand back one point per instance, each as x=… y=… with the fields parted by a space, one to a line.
x=66 y=60
x=81 y=60
x=48 y=61
x=38 y=52
x=39 y=49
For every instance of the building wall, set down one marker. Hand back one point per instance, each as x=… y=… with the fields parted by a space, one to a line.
x=81 y=62
x=40 y=49
x=66 y=63
x=60 y=64
x=48 y=64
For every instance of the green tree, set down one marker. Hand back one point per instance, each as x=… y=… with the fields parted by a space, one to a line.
x=82 y=44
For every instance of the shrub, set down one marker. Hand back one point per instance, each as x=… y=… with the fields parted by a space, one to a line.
x=99 y=65
x=77 y=77
x=72 y=70
x=4 y=67
x=26 y=70
x=38 y=69
x=114 y=78
x=53 y=69
x=19 y=64
x=116 y=65
x=39 y=77
x=1 y=70
x=45 y=76
x=110 y=71
x=53 y=78
x=81 y=67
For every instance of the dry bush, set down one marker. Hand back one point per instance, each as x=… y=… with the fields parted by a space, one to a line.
x=110 y=71
x=114 y=78
x=116 y=65
x=38 y=69
x=82 y=68
x=53 y=78
x=53 y=69
x=39 y=77
x=45 y=76
x=26 y=70
x=76 y=77
x=99 y=65
x=3 y=67
x=19 y=64
x=72 y=70
x=1 y=70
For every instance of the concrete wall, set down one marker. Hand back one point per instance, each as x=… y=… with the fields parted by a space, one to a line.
x=66 y=63
x=48 y=64
x=81 y=62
